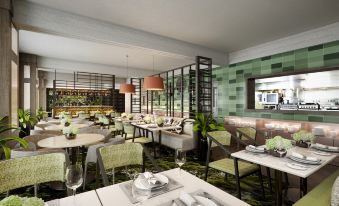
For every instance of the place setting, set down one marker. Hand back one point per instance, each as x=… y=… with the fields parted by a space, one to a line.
x=197 y=198
x=325 y=148
x=256 y=150
x=302 y=162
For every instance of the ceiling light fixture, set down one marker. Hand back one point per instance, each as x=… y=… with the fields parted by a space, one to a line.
x=127 y=88
x=153 y=83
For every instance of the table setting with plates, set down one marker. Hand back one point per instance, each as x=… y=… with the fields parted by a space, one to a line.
x=325 y=148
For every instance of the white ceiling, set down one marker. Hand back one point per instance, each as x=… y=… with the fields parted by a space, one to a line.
x=224 y=25
x=58 y=47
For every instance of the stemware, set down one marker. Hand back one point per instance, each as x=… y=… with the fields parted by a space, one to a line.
x=74 y=177
x=180 y=158
x=140 y=195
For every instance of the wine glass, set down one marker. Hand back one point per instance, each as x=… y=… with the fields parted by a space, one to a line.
x=139 y=194
x=180 y=158
x=74 y=177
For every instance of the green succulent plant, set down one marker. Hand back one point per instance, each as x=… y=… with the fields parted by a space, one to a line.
x=5 y=127
x=304 y=136
x=278 y=143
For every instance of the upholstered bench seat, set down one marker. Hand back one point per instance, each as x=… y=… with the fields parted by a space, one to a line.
x=321 y=194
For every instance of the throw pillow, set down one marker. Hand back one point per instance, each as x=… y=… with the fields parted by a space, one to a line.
x=335 y=193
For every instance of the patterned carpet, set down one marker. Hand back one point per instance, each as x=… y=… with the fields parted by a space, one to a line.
x=166 y=162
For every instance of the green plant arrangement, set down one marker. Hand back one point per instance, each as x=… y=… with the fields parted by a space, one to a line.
x=160 y=121
x=41 y=114
x=303 y=138
x=4 y=127
x=26 y=121
x=15 y=200
x=148 y=119
x=130 y=116
x=70 y=132
x=278 y=146
x=202 y=125
x=206 y=123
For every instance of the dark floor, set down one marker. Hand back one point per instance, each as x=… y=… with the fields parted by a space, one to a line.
x=166 y=162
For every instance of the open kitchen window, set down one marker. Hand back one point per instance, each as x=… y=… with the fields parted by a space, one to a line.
x=308 y=90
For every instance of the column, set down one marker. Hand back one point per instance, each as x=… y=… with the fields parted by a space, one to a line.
x=6 y=56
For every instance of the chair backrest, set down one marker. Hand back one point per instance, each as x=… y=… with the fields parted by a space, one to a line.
x=246 y=131
x=128 y=128
x=119 y=155
x=83 y=115
x=221 y=137
x=25 y=171
x=118 y=125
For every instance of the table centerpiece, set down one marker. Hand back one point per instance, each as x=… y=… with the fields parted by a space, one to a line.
x=303 y=138
x=70 y=132
x=278 y=146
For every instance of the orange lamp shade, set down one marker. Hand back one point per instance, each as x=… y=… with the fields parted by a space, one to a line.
x=127 y=88
x=153 y=83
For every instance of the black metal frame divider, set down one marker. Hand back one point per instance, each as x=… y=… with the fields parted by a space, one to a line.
x=199 y=89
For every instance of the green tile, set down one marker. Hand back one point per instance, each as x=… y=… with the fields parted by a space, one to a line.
x=316 y=118
x=331 y=119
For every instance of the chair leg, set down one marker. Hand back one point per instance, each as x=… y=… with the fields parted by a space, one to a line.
x=261 y=184
x=35 y=190
x=268 y=171
x=85 y=175
x=113 y=176
x=206 y=173
x=237 y=178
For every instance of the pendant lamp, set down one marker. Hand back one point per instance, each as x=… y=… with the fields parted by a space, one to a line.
x=153 y=83
x=127 y=88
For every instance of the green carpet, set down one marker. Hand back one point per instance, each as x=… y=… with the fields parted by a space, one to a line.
x=166 y=162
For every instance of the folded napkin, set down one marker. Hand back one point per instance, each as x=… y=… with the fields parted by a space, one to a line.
x=187 y=198
x=333 y=148
x=321 y=145
x=256 y=148
x=149 y=181
x=300 y=156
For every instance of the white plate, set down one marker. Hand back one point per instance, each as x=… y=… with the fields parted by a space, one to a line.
x=204 y=201
x=322 y=153
x=296 y=166
x=162 y=178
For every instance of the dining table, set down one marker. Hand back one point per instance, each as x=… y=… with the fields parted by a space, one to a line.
x=152 y=128
x=279 y=165
x=114 y=195
x=72 y=144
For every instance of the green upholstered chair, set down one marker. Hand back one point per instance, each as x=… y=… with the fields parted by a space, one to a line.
x=114 y=156
x=130 y=136
x=32 y=170
x=227 y=165
x=118 y=128
x=247 y=134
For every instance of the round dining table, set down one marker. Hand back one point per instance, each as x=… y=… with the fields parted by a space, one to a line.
x=60 y=127
x=63 y=143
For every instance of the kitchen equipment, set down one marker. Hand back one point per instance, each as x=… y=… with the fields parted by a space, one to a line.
x=309 y=106
x=288 y=107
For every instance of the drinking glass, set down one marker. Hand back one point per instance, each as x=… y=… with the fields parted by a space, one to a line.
x=74 y=178
x=180 y=158
x=140 y=195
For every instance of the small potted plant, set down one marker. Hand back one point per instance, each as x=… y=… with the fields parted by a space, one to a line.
x=303 y=138
x=70 y=132
x=23 y=201
x=148 y=119
x=66 y=122
x=123 y=115
x=26 y=122
x=160 y=121
x=202 y=125
x=278 y=146
x=130 y=116
x=41 y=115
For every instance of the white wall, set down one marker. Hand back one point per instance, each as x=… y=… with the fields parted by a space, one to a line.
x=313 y=37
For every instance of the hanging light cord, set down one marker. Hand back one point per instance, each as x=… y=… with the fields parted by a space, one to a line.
x=127 y=65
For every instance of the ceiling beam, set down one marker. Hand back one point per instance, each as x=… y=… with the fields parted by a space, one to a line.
x=67 y=66
x=35 y=17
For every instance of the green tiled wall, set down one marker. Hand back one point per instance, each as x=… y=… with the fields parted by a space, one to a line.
x=230 y=80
